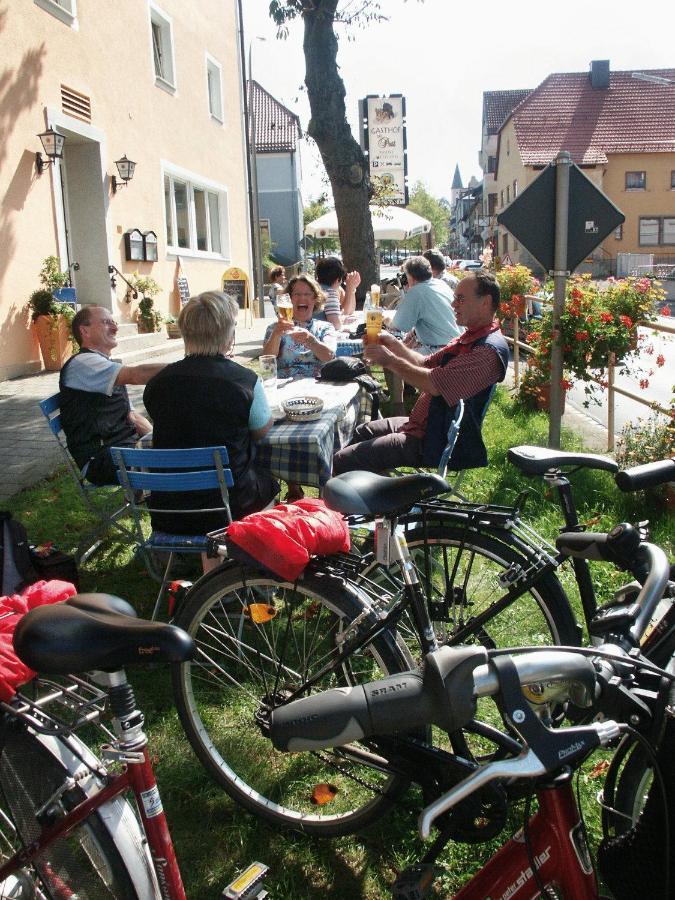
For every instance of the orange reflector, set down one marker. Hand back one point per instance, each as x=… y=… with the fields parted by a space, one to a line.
x=261 y=612
x=323 y=793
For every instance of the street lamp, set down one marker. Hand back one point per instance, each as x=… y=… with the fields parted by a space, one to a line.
x=52 y=143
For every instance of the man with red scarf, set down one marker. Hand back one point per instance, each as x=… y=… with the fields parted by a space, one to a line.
x=465 y=369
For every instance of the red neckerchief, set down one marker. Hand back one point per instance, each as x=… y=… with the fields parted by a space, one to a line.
x=465 y=341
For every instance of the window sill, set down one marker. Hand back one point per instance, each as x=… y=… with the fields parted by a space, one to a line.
x=58 y=12
x=165 y=85
x=173 y=252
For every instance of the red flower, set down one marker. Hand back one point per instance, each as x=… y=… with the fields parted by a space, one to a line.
x=533 y=336
x=590 y=319
x=649 y=350
x=627 y=321
x=576 y=294
x=581 y=335
x=566 y=384
x=644 y=383
x=665 y=311
x=606 y=317
x=660 y=360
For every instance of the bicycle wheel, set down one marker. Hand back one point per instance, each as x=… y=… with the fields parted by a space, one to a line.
x=460 y=573
x=104 y=857
x=258 y=641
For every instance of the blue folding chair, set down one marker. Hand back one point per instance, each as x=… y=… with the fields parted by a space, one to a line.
x=97 y=499
x=176 y=471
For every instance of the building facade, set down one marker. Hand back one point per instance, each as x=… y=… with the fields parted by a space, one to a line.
x=277 y=160
x=619 y=128
x=158 y=82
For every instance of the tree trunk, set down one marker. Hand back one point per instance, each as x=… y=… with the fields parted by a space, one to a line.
x=342 y=156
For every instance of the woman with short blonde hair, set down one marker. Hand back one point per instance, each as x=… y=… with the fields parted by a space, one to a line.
x=207 y=323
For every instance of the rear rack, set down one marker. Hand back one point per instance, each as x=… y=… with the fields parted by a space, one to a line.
x=51 y=707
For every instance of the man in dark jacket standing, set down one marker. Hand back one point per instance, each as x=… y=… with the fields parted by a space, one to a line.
x=465 y=369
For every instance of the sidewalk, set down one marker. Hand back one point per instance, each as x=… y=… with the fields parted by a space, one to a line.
x=28 y=451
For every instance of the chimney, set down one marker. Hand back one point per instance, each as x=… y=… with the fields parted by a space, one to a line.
x=599 y=74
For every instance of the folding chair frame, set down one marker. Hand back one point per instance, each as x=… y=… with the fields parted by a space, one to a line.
x=91 y=542
x=177 y=471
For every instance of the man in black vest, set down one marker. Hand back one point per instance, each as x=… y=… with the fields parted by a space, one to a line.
x=465 y=369
x=96 y=413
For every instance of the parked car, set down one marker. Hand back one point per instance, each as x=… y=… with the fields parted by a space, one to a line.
x=467 y=264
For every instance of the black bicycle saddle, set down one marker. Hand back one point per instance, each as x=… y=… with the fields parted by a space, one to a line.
x=67 y=638
x=538 y=460
x=367 y=494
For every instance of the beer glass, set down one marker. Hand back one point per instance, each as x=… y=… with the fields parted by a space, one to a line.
x=373 y=324
x=375 y=294
x=268 y=376
x=285 y=308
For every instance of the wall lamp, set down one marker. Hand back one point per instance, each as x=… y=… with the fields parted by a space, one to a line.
x=125 y=167
x=52 y=144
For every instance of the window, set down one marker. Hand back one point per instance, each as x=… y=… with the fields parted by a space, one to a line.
x=515 y=189
x=672 y=181
x=195 y=211
x=505 y=243
x=65 y=10
x=636 y=181
x=618 y=233
x=492 y=165
x=508 y=193
x=501 y=198
x=214 y=88
x=657 y=230
x=161 y=32
x=492 y=204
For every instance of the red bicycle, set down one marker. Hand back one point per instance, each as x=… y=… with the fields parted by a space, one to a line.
x=66 y=830
x=550 y=856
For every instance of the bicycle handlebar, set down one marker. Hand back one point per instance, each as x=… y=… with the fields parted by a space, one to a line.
x=445 y=695
x=647 y=475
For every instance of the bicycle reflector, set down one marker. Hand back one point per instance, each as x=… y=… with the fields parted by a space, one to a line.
x=260 y=612
x=248 y=885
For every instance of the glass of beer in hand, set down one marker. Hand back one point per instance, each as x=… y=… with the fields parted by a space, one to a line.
x=373 y=324
x=285 y=308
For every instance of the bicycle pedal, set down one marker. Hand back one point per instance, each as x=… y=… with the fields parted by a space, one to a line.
x=415 y=882
x=248 y=884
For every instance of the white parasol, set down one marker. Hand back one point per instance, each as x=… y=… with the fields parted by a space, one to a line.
x=390 y=223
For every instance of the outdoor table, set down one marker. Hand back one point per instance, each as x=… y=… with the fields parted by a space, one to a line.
x=302 y=452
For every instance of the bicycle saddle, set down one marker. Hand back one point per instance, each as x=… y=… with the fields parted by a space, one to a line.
x=69 y=638
x=367 y=494
x=538 y=460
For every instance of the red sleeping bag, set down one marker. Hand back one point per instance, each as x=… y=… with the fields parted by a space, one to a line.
x=284 y=538
x=13 y=672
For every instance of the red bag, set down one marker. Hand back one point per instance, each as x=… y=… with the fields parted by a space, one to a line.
x=13 y=672
x=284 y=538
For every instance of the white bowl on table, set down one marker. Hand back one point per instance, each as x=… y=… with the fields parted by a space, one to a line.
x=303 y=409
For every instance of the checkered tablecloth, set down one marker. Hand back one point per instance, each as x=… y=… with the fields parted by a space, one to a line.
x=303 y=453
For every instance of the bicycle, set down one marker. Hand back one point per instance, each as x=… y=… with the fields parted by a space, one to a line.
x=66 y=830
x=262 y=642
x=550 y=856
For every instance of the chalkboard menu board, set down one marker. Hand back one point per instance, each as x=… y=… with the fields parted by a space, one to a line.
x=236 y=289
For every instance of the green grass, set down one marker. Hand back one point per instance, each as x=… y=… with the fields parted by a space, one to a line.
x=214 y=838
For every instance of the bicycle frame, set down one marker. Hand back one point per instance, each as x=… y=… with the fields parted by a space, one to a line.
x=138 y=777
x=558 y=847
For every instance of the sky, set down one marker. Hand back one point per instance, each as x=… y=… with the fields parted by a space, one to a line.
x=442 y=56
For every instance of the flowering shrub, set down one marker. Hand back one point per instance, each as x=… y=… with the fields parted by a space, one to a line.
x=514 y=283
x=595 y=323
x=647 y=440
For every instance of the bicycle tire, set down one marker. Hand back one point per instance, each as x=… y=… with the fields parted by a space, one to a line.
x=104 y=857
x=243 y=667
x=464 y=567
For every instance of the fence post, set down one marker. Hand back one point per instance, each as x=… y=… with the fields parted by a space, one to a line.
x=611 y=368
x=516 y=353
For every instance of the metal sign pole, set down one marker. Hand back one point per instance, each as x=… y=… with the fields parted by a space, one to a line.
x=562 y=202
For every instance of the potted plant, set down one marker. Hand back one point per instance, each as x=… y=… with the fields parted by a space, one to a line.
x=515 y=283
x=149 y=319
x=51 y=318
x=593 y=328
x=172 y=328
